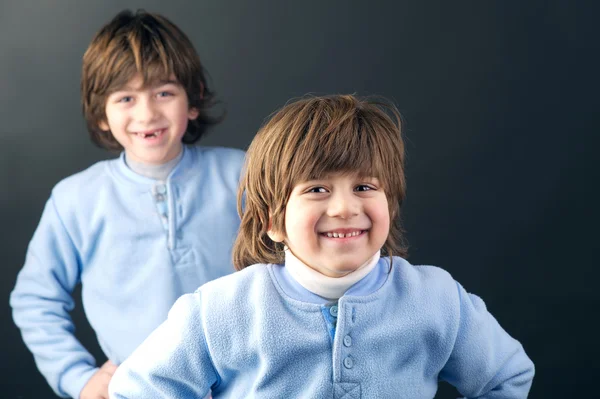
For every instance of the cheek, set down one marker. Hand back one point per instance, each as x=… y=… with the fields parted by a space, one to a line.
x=182 y=121
x=184 y=117
x=181 y=111
x=301 y=222
x=115 y=119
x=385 y=225
x=381 y=216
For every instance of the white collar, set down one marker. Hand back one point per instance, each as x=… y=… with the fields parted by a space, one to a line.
x=327 y=287
x=156 y=172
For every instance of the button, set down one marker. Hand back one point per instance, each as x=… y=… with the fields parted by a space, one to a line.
x=333 y=311
x=348 y=362
x=161 y=189
x=348 y=341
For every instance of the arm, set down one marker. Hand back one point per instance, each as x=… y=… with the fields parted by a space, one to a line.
x=41 y=302
x=486 y=362
x=173 y=362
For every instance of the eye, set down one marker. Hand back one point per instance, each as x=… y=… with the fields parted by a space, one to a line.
x=364 y=187
x=125 y=99
x=164 y=94
x=317 y=189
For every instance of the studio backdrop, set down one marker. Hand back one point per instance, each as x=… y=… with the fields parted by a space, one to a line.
x=499 y=101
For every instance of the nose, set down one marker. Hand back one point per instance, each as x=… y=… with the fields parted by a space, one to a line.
x=145 y=111
x=343 y=205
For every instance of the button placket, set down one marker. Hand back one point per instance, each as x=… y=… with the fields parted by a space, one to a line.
x=330 y=322
x=348 y=361
x=347 y=374
x=159 y=193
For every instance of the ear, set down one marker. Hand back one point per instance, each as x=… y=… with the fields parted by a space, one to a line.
x=193 y=113
x=103 y=126
x=274 y=236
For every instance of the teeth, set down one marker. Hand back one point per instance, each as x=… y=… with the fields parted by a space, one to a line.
x=152 y=134
x=342 y=235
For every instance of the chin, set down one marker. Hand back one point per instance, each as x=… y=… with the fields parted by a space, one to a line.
x=348 y=267
x=344 y=270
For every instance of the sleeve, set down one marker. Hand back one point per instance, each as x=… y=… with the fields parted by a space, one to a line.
x=41 y=302
x=173 y=362
x=486 y=362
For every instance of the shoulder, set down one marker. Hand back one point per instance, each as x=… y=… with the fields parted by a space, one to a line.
x=422 y=275
x=250 y=281
x=222 y=166
x=82 y=186
x=82 y=178
x=235 y=295
x=241 y=299
x=432 y=284
x=229 y=300
x=222 y=156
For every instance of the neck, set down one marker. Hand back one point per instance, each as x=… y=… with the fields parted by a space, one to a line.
x=157 y=172
x=327 y=287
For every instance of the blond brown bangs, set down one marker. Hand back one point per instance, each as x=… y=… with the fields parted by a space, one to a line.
x=343 y=150
x=346 y=139
x=140 y=52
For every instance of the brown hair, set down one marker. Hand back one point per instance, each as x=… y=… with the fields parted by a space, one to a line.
x=306 y=140
x=154 y=47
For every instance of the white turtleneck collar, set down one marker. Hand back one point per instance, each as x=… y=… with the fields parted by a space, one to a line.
x=331 y=288
x=157 y=172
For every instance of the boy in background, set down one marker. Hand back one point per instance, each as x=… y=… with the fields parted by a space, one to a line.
x=137 y=231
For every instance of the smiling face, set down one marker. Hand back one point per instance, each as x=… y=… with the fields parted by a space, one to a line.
x=319 y=168
x=149 y=121
x=336 y=224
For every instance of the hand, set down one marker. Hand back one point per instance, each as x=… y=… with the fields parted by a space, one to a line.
x=97 y=386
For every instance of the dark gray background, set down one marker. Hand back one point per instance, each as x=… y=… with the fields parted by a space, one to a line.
x=500 y=103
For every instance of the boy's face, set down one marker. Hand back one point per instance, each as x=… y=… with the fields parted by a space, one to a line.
x=149 y=122
x=334 y=225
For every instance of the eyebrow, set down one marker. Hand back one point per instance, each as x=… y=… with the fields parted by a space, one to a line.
x=158 y=83
x=165 y=82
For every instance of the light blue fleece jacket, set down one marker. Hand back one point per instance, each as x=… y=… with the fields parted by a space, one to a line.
x=135 y=244
x=258 y=334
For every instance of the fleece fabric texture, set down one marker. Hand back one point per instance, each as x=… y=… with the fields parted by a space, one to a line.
x=135 y=244
x=244 y=336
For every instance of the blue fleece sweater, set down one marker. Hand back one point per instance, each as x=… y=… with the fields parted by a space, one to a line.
x=135 y=244
x=258 y=334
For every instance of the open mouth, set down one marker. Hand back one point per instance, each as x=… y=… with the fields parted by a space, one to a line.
x=150 y=134
x=346 y=234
